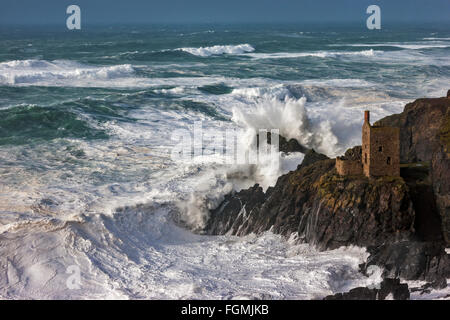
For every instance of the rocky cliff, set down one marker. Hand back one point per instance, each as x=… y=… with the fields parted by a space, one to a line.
x=404 y=221
x=425 y=137
x=321 y=207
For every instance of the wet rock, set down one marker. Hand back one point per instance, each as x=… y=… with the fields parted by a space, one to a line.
x=403 y=220
x=322 y=208
x=420 y=125
x=286 y=146
x=389 y=288
x=411 y=260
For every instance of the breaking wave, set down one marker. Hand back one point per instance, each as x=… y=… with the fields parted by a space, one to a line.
x=219 y=50
x=318 y=54
x=42 y=72
x=290 y=116
x=411 y=46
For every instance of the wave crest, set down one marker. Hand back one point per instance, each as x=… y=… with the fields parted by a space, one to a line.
x=219 y=50
x=31 y=72
x=289 y=115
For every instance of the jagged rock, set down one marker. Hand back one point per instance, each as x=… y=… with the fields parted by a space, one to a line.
x=388 y=288
x=354 y=154
x=427 y=223
x=440 y=176
x=420 y=124
x=323 y=209
x=411 y=260
x=232 y=214
x=402 y=219
x=398 y=290
x=311 y=157
x=425 y=137
x=286 y=146
x=360 y=293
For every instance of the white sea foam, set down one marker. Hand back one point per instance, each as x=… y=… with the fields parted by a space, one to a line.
x=318 y=54
x=289 y=115
x=412 y=46
x=436 y=38
x=59 y=72
x=111 y=212
x=74 y=74
x=219 y=50
x=138 y=253
x=176 y=90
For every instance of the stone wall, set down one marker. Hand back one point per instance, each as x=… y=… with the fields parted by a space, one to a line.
x=381 y=151
x=384 y=151
x=346 y=167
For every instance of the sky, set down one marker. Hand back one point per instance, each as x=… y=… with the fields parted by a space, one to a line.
x=19 y=12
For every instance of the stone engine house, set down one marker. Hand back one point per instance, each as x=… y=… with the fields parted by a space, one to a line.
x=379 y=155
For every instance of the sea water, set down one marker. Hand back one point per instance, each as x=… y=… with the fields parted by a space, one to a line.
x=88 y=187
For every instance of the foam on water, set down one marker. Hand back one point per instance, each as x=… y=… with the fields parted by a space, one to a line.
x=318 y=54
x=113 y=206
x=43 y=72
x=219 y=50
x=412 y=46
x=139 y=253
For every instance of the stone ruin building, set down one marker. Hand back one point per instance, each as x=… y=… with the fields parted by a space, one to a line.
x=379 y=155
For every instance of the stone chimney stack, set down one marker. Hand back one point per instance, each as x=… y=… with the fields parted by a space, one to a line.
x=367 y=116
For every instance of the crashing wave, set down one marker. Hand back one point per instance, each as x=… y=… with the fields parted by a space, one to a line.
x=289 y=115
x=35 y=72
x=219 y=50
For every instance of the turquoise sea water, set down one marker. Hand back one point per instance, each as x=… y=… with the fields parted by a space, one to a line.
x=86 y=123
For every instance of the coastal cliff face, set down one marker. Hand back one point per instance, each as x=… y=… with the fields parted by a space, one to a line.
x=425 y=137
x=420 y=126
x=404 y=221
x=321 y=207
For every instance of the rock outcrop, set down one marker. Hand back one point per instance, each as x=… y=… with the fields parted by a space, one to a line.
x=321 y=207
x=404 y=221
x=411 y=260
x=389 y=289
x=420 y=125
x=425 y=137
x=285 y=145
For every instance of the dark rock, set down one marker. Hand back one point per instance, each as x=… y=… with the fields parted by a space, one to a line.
x=427 y=223
x=323 y=208
x=440 y=283
x=359 y=293
x=388 y=287
x=232 y=213
x=286 y=146
x=440 y=176
x=354 y=154
x=419 y=124
x=398 y=290
x=425 y=137
x=311 y=157
x=411 y=260
x=403 y=220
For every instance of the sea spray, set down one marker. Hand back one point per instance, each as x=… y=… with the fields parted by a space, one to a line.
x=289 y=115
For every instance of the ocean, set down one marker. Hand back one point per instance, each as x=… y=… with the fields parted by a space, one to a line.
x=92 y=203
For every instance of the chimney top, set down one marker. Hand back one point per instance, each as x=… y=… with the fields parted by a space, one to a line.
x=367 y=116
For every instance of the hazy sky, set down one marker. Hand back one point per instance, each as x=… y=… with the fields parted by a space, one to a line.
x=220 y=11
